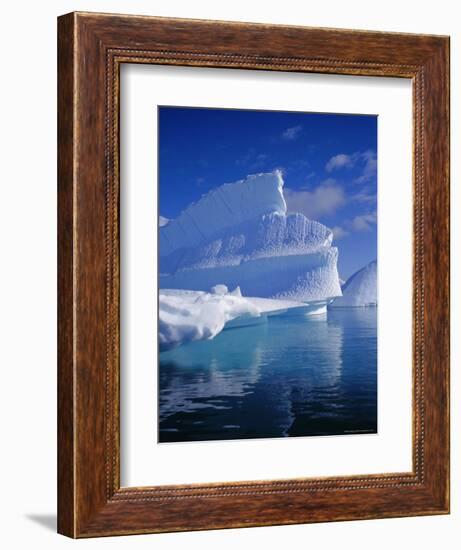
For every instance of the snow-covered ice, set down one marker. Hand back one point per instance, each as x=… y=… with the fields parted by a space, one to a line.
x=186 y=316
x=227 y=205
x=360 y=290
x=240 y=234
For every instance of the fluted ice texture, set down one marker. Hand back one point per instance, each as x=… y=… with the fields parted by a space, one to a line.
x=240 y=234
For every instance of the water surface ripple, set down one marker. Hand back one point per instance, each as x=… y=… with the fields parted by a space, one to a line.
x=291 y=376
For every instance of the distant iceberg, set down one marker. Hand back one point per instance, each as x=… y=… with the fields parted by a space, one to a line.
x=240 y=234
x=360 y=290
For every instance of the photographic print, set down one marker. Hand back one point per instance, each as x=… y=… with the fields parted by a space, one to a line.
x=267 y=249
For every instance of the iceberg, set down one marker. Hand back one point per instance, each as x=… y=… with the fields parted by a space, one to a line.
x=186 y=315
x=240 y=235
x=227 y=205
x=360 y=290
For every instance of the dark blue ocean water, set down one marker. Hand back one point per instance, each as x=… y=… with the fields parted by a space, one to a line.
x=288 y=377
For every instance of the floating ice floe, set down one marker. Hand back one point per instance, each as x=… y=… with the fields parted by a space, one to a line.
x=187 y=315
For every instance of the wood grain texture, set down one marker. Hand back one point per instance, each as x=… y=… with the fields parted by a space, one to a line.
x=91 y=49
x=66 y=296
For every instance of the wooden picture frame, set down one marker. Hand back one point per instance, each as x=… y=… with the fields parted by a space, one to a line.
x=91 y=49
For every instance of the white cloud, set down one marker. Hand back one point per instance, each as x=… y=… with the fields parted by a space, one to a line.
x=370 y=167
x=339 y=232
x=329 y=181
x=365 y=160
x=364 y=196
x=340 y=161
x=323 y=200
x=292 y=133
x=364 y=222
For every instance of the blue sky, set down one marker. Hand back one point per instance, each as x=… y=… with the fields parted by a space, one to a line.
x=328 y=163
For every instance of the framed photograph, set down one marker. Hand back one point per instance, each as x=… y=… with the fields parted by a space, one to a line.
x=253 y=258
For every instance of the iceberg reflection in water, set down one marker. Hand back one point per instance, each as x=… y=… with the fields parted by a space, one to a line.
x=290 y=376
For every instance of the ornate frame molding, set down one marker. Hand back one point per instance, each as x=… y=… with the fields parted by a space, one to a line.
x=91 y=49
